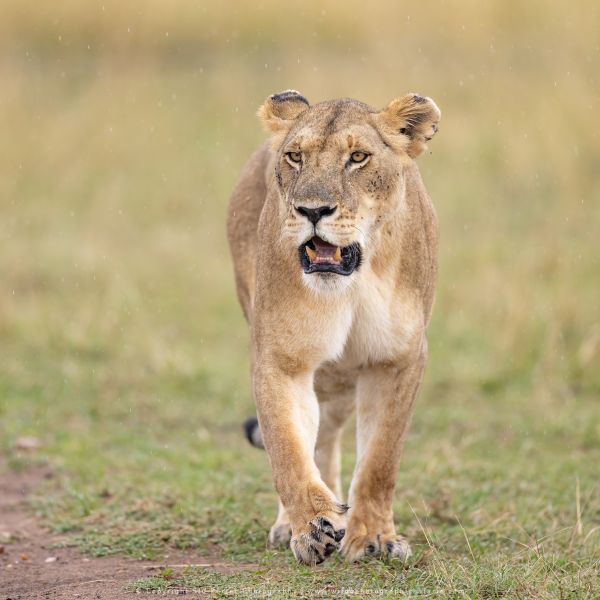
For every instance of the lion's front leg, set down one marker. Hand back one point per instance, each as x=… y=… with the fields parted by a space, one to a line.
x=288 y=414
x=385 y=398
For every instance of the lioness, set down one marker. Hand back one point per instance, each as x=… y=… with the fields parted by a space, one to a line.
x=334 y=242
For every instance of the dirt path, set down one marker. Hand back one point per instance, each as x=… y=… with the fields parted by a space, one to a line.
x=31 y=567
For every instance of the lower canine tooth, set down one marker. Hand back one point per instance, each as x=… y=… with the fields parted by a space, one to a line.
x=311 y=254
x=338 y=254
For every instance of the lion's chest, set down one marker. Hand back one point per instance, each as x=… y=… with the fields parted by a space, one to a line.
x=383 y=322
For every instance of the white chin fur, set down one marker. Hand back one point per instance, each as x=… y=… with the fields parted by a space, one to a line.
x=327 y=283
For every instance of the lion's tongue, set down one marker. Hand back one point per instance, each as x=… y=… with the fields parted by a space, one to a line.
x=324 y=252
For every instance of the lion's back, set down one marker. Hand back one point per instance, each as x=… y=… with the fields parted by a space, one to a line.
x=245 y=206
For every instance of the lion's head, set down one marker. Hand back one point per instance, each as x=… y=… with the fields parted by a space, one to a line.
x=339 y=171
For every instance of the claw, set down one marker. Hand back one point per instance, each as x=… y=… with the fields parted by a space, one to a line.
x=339 y=535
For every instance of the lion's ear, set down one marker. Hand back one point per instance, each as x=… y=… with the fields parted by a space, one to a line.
x=279 y=110
x=414 y=119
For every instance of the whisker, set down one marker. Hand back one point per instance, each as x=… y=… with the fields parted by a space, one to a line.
x=365 y=237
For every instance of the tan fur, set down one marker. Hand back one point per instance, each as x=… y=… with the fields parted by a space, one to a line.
x=323 y=344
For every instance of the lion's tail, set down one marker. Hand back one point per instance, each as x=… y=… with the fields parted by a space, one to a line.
x=253 y=433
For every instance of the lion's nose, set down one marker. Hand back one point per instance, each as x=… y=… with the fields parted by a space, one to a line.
x=314 y=215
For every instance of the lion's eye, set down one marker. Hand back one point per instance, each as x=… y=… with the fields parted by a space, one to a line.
x=359 y=157
x=295 y=157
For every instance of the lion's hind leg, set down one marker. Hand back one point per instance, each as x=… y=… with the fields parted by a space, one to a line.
x=280 y=533
x=336 y=392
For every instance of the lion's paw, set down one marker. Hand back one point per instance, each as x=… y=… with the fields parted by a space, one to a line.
x=280 y=535
x=376 y=546
x=320 y=539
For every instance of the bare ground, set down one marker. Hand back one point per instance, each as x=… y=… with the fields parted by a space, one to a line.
x=32 y=566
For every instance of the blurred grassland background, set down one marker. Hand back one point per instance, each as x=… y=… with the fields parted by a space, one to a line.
x=124 y=128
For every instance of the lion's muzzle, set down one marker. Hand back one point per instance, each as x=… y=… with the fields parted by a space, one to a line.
x=319 y=256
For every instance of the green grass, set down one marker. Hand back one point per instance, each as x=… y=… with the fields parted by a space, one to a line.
x=435 y=579
x=123 y=348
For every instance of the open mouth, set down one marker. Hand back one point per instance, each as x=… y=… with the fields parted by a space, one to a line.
x=319 y=256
